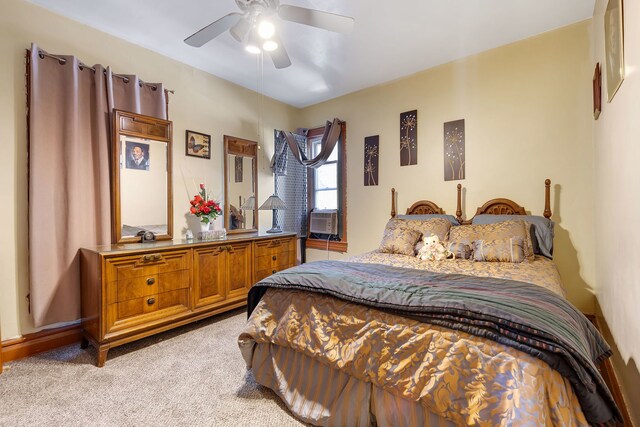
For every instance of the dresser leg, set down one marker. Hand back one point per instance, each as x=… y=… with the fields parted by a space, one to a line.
x=102 y=356
x=84 y=343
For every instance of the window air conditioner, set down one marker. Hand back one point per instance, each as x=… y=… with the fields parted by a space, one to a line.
x=324 y=221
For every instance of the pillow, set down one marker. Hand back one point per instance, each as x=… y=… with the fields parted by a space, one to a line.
x=399 y=240
x=423 y=217
x=495 y=231
x=459 y=250
x=542 y=230
x=438 y=226
x=501 y=250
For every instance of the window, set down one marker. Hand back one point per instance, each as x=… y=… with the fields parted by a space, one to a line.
x=327 y=189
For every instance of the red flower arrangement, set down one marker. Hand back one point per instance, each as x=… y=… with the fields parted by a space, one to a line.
x=205 y=209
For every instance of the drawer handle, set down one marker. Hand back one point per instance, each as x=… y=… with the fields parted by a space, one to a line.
x=273 y=272
x=274 y=257
x=225 y=248
x=151 y=301
x=151 y=281
x=152 y=257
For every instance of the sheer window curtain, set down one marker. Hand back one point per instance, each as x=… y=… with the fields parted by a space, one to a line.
x=290 y=184
x=70 y=108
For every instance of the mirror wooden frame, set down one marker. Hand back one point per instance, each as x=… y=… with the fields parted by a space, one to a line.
x=139 y=126
x=245 y=148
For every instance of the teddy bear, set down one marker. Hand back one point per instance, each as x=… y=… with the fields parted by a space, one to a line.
x=433 y=249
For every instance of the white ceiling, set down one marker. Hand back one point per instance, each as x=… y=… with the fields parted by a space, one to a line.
x=391 y=39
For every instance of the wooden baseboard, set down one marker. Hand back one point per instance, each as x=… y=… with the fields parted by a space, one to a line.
x=39 y=342
x=609 y=376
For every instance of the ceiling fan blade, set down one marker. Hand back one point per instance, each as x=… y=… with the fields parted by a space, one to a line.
x=213 y=30
x=240 y=29
x=280 y=57
x=316 y=18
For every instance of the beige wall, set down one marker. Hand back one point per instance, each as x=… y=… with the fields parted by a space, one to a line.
x=527 y=111
x=201 y=102
x=617 y=192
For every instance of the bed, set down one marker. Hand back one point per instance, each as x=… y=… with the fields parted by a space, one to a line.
x=388 y=339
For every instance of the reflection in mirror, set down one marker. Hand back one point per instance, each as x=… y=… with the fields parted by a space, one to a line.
x=240 y=185
x=143 y=186
x=241 y=193
x=141 y=197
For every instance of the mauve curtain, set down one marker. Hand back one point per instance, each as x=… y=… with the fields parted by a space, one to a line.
x=329 y=139
x=69 y=163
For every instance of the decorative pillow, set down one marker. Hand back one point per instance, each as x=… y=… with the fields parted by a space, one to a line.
x=459 y=250
x=423 y=217
x=399 y=240
x=438 y=226
x=495 y=231
x=542 y=230
x=502 y=250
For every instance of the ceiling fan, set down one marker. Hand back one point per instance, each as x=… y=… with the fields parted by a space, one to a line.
x=254 y=27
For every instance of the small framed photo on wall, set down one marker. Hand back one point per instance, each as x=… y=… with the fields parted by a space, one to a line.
x=597 y=92
x=198 y=144
x=614 y=46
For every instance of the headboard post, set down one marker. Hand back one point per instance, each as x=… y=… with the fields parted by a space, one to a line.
x=547 y=198
x=459 y=205
x=393 y=203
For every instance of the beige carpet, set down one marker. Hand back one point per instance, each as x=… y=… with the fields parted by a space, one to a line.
x=192 y=376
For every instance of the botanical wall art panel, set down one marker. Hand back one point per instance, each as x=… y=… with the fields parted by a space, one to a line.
x=454 y=159
x=371 y=145
x=409 y=138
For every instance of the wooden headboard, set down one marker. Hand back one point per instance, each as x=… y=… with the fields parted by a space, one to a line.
x=499 y=206
x=421 y=207
x=502 y=206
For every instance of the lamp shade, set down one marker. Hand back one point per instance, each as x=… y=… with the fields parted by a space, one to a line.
x=273 y=202
x=249 y=204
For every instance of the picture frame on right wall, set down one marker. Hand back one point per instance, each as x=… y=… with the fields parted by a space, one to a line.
x=614 y=46
x=597 y=92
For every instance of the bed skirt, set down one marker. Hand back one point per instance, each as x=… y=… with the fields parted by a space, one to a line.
x=323 y=396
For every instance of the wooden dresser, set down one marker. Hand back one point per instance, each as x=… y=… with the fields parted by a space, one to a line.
x=131 y=291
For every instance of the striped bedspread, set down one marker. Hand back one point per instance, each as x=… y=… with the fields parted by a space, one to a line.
x=524 y=316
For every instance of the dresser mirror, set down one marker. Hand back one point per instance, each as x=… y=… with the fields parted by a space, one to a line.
x=240 y=185
x=141 y=178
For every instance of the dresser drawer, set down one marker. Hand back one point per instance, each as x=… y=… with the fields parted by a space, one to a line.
x=272 y=247
x=123 y=268
x=137 y=287
x=278 y=260
x=138 y=311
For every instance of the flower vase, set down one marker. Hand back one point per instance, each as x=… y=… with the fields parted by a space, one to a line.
x=204 y=226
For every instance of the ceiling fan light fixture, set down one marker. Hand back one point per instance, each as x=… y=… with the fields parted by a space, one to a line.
x=253 y=43
x=266 y=29
x=269 y=46
x=252 y=48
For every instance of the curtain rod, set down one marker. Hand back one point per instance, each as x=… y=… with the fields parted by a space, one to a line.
x=63 y=61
